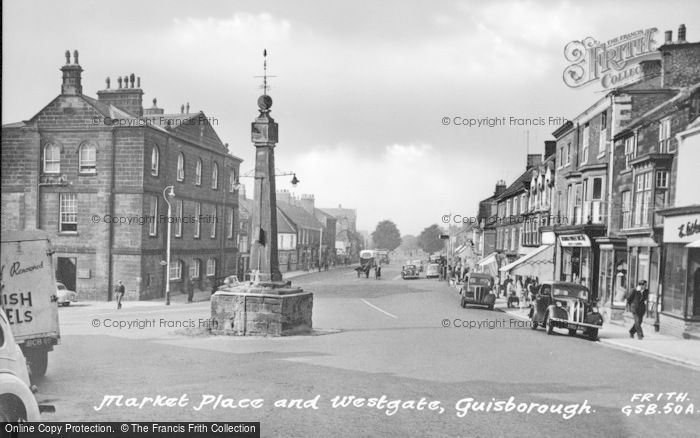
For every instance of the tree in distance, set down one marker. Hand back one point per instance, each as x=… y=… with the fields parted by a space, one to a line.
x=386 y=236
x=429 y=239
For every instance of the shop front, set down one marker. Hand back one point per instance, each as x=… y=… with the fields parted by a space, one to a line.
x=577 y=255
x=612 y=277
x=680 y=302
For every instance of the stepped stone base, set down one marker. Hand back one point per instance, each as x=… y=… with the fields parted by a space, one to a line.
x=262 y=309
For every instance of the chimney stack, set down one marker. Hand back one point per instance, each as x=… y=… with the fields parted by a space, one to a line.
x=550 y=148
x=681 y=34
x=307 y=203
x=72 y=75
x=284 y=196
x=669 y=37
x=533 y=160
x=126 y=97
x=500 y=188
x=154 y=110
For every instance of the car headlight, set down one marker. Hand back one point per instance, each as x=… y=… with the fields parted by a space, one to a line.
x=558 y=303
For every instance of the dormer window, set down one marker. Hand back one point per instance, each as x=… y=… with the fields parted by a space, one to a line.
x=52 y=158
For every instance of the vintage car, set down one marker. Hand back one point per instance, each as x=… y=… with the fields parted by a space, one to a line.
x=432 y=271
x=409 y=272
x=418 y=263
x=65 y=295
x=17 y=402
x=478 y=290
x=566 y=305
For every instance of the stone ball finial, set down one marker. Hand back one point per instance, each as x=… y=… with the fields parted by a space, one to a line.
x=67 y=56
x=75 y=57
x=264 y=102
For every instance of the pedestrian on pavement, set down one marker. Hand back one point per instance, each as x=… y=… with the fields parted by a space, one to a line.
x=377 y=271
x=637 y=302
x=520 y=292
x=119 y=293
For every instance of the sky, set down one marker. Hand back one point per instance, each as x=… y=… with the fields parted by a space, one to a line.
x=360 y=88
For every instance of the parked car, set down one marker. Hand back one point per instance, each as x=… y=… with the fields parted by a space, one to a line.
x=478 y=290
x=418 y=263
x=432 y=271
x=65 y=296
x=409 y=272
x=17 y=402
x=560 y=304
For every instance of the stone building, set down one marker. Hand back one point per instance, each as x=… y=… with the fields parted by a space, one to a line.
x=645 y=169
x=93 y=172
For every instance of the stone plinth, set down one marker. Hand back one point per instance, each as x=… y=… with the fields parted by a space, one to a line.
x=263 y=309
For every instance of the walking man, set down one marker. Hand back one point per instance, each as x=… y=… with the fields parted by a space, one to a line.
x=637 y=302
x=119 y=292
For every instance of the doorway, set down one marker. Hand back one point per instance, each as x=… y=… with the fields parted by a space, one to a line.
x=66 y=272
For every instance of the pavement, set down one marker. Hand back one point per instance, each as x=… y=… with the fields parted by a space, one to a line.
x=663 y=347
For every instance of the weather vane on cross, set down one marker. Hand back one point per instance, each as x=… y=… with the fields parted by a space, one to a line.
x=264 y=85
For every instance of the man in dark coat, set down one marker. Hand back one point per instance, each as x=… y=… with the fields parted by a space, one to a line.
x=637 y=301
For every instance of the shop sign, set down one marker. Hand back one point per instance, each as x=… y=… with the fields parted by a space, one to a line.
x=682 y=229
x=574 y=240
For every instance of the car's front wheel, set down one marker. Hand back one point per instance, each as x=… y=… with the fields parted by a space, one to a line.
x=533 y=324
x=11 y=409
x=549 y=325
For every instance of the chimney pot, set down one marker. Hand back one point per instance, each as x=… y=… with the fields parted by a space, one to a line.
x=182 y=109
x=67 y=56
x=669 y=37
x=107 y=81
x=187 y=108
x=119 y=81
x=681 y=33
x=138 y=82
x=75 y=57
x=132 y=78
x=155 y=103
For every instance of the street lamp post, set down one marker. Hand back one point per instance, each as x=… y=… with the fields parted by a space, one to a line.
x=166 y=196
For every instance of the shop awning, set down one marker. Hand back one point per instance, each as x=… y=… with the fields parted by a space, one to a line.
x=489 y=259
x=539 y=263
x=695 y=244
x=569 y=240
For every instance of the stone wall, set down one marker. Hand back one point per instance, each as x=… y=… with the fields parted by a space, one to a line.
x=255 y=314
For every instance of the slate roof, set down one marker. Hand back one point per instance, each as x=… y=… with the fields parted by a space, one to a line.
x=520 y=184
x=299 y=217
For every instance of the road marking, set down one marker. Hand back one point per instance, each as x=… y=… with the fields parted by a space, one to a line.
x=377 y=308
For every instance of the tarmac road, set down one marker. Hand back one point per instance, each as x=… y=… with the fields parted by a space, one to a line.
x=404 y=340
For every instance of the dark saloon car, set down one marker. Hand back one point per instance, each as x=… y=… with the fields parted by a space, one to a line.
x=478 y=290
x=409 y=272
x=566 y=305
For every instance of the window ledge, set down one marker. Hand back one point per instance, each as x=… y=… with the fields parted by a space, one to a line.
x=68 y=233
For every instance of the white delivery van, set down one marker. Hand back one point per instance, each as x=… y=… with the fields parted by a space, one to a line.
x=28 y=295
